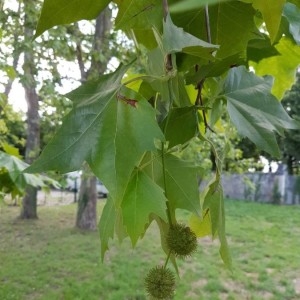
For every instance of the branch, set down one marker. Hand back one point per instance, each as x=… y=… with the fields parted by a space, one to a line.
x=168 y=59
x=199 y=100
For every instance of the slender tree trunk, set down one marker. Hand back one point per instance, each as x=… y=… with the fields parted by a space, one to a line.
x=86 y=210
x=29 y=203
x=86 y=217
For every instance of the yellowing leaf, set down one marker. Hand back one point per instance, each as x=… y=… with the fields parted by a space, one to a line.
x=201 y=227
x=282 y=67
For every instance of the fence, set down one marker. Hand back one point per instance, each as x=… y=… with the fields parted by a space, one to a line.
x=278 y=188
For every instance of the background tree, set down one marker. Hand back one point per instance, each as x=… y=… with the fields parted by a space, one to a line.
x=290 y=144
x=86 y=217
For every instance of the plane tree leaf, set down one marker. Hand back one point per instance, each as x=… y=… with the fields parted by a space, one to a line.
x=172 y=125
x=175 y=39
x=11 y=173
x=57 y=12
x=255 y=112
x=107 y=225
x=102 y=128
x=138 y=14
x=181 y=180
x=142 y=197
x=214 y=202
x=232 y=25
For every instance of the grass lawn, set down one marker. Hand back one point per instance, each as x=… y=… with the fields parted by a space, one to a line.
x=49 y=259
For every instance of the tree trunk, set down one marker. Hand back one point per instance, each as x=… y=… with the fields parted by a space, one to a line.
x=29 y=203
x=87 y=201
x=87 y=204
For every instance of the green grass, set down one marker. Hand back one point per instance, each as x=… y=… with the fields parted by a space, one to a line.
x=49 y=259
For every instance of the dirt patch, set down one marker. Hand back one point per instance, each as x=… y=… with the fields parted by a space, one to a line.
x=297 y=285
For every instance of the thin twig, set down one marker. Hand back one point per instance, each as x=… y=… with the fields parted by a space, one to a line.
x=199 y=102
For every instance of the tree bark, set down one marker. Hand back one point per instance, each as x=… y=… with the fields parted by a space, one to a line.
x=29 y=203
x=87 y=204
x=86 y=217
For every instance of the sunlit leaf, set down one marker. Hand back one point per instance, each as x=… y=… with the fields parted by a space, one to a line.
x=282 y=67
x=201 y=227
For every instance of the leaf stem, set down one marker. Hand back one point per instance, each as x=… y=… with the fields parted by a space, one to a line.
x=167 y=259
x=165 y=182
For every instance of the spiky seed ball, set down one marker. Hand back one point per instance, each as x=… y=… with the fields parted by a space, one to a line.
x=181 y=240
x=160 y=283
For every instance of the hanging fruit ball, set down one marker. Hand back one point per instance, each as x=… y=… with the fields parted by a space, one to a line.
x=181 y=240
x=160 y=283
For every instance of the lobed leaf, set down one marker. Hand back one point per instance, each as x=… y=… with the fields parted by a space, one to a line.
x=214 y=202
x=142 y=197
x=104 y=129
x=181 y=180
x=255 y=112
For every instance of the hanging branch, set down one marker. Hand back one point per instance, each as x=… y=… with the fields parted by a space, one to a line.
x=168 y=59
x=199 y=100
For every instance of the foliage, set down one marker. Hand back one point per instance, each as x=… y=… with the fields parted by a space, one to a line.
x=128 y=129
x=12 y=179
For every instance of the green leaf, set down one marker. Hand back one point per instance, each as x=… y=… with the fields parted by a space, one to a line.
x=186 y=5
x=173 y=125
x=271 y=11
x=139 y=14
x=57 y=12
x=260 y=48
x=215 y=203
x=214 y=69
x=107 y=225
x=292 y=13
x=181 y=180
x=255 y=112
x=15 y=167
x=283 y=67
x=231 y=25
x=104 y=128
x=11 y=150
x=175 y=40
x=142 y=197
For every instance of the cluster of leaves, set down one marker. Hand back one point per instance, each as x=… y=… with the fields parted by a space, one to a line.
x=128 y=128
x=12 y=179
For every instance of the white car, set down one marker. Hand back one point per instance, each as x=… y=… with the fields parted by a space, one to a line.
x=74 y=180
